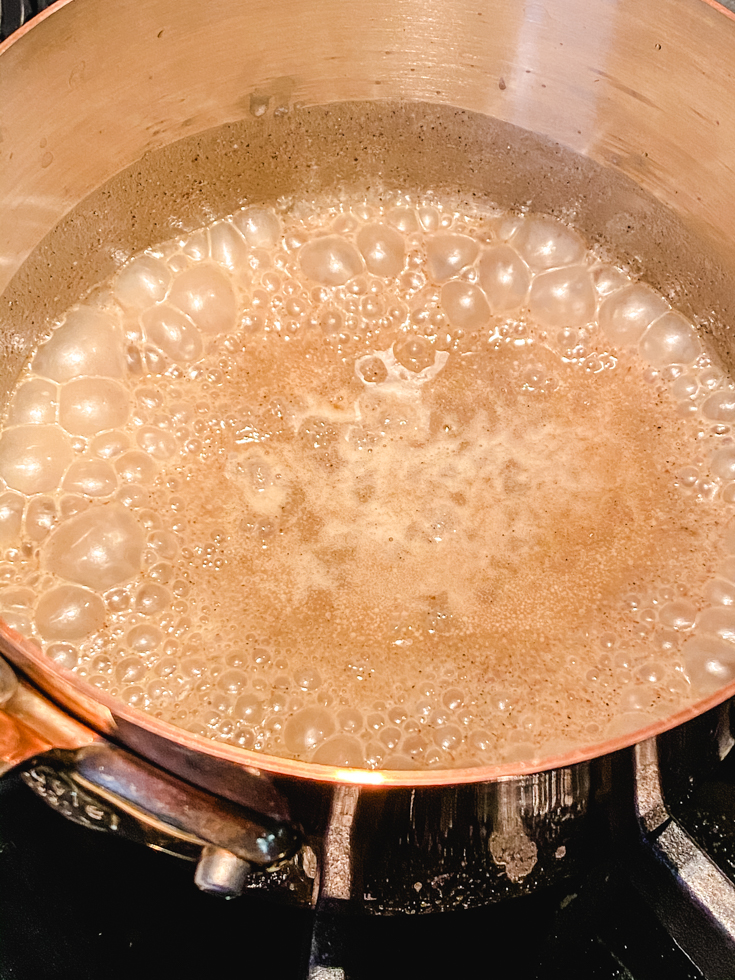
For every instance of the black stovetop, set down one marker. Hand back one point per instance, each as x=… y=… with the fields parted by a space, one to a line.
x=74 y=903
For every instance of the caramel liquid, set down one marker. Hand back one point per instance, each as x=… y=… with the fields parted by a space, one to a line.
x=375 y=522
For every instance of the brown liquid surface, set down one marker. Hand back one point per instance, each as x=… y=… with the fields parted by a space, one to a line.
x=518 y=514
x=373 y=535
x=478 y=535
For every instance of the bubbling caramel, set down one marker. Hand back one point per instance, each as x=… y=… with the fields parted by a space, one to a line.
x=377 y=481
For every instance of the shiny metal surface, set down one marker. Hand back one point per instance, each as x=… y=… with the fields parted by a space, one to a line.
x=30 y=723
x=692 y=896
x=616 y=115
x=105 y=788
x=427 y=849
x=8 y=682
x=220 y=872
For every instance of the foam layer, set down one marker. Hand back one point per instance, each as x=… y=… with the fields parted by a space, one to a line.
x=374 y=482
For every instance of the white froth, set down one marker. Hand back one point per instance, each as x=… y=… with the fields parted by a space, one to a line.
x=315 y=498
x=261 y=483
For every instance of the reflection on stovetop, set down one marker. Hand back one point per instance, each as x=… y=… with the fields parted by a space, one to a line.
x=709 y=815
x=78 y=904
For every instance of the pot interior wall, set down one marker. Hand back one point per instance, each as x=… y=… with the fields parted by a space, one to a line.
x=389 y=144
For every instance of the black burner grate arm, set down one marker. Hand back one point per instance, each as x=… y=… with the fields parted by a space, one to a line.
x=15 y=13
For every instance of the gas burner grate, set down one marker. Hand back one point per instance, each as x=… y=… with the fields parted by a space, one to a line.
x=15 y=13
x=75 y=903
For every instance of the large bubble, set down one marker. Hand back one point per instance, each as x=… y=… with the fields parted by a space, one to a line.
x=91 y=477
x=330 y=261
x=447 y=255
x=143 y=281
x=465 y=305
x=307 y=729
x=33 y=403
x=710 y=662
x=563 y=297
x=100 y=548
x=88 y=342
x=505 y=278
x=173 y=333
x=33 y=458
x=383 y=249
x=69 y=613
x=546 y=243
x=227 y=247
x=720 y=406
x=260 y=227
x=670 y=340
x=206 y=295
x=340 y=750
x=11 y=516
x=91 y=405
x=626 y=313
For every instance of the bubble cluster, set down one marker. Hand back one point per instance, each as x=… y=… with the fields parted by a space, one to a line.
x=377 y=480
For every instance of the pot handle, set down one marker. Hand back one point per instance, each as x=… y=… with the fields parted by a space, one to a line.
x=30 y=724
x=104 y=787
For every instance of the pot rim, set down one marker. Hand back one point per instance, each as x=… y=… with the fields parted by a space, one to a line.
x=54 y=7
x=111 y=717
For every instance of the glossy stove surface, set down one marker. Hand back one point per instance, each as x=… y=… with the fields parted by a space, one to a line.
x=74 y=903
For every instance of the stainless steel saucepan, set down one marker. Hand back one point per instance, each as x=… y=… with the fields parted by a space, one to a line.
x=122 y=123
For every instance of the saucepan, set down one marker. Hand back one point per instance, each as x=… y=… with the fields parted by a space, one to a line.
x=123 y=123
